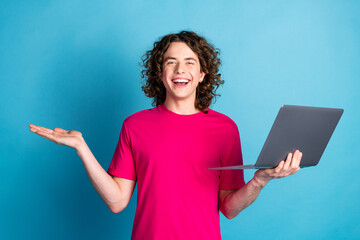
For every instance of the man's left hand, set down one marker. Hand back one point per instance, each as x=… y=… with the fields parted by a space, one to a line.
x=285 y=168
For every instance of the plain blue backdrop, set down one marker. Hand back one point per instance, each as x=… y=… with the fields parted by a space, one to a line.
x=75 y=65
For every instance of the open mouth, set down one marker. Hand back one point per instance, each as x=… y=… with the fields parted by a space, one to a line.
x=180 y=81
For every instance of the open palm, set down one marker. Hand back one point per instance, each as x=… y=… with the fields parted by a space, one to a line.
x=59 y=136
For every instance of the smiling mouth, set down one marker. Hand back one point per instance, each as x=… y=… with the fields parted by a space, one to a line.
x=180 y=81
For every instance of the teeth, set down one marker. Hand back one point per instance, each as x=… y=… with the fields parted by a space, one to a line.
x=181 y=80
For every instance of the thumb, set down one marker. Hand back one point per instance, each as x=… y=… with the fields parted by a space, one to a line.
x=59 y=130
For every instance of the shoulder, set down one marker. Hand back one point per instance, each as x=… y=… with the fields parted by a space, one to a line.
x=222 y=119
x=227 y=126
x=141 y=116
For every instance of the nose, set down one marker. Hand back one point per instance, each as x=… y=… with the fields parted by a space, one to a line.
x=179 y=68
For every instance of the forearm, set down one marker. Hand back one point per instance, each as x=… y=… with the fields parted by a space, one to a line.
x=240 y=199
x=103 y=183
x=115 y=192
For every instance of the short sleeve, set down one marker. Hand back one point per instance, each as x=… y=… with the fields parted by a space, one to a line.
x=232 y=156
x=122 y=164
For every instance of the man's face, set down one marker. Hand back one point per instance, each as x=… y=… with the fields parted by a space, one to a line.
x=181 y=72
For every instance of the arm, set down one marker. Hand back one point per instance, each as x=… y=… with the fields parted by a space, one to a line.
x=116 y=192
x=231 y=203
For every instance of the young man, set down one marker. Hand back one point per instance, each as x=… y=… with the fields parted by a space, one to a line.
x=167 y=150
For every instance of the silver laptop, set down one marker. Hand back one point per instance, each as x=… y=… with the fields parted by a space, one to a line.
x=296 y=127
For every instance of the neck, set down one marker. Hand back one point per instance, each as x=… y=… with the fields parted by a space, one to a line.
x=183 y=107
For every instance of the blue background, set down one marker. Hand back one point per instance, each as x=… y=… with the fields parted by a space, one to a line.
x=75 y=65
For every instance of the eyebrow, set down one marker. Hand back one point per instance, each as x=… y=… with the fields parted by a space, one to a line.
x=172 y=58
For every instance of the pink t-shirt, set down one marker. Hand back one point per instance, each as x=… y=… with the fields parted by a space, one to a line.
x=169 y=154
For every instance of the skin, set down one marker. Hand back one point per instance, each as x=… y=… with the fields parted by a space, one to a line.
x=115 y=192
x=181 y=62
x=231 y=203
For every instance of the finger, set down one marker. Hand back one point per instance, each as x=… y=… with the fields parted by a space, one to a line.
x=295 y=170
x=279 y=167
x=47 y=130
x=33 y=127
x=38 y=130
x=288 y=161
x=46 y=135
x=296 y=160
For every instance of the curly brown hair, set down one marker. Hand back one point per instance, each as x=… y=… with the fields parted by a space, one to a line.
x=153 y=86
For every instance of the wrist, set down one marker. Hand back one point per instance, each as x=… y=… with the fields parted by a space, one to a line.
x=80 y=145
x=259 y=182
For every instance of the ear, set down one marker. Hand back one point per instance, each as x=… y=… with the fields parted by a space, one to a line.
x=162 y=77
x=202 y=75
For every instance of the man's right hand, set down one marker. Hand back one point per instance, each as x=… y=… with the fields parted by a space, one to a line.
x=60 y=136
x=115 y=191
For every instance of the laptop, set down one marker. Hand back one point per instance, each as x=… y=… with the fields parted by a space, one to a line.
x=307 y=129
